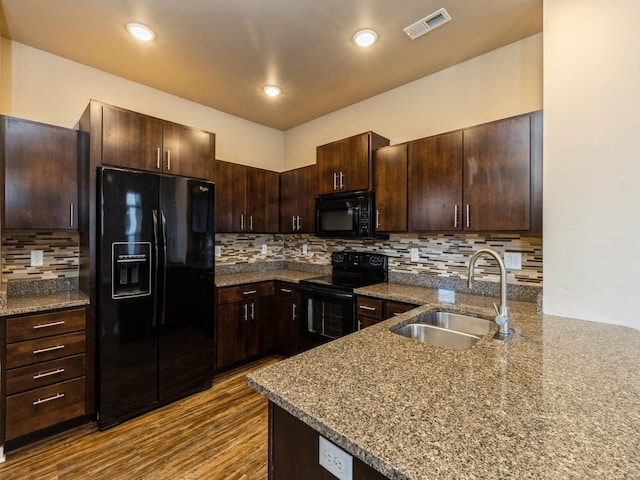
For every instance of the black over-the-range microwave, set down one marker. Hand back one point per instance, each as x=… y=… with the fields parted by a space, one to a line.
x=345 y=215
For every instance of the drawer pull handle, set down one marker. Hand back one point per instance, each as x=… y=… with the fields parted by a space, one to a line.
x=45 y=325
x=249 y=292
x=48 y=374
x=48 y=399
x=285 y=290
x=367 y=307
x=49 y=349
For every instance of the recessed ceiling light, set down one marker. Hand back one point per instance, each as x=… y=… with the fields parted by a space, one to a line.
x=141 y=32
x=272 y=90
x=364 y=38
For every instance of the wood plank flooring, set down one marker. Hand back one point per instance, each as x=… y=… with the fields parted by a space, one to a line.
x=217 y=434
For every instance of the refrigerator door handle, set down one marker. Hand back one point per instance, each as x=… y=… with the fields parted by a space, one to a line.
x=163 y=317
x=154 y=321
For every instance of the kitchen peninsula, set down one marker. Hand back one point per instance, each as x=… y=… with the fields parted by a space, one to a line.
x=559 y=399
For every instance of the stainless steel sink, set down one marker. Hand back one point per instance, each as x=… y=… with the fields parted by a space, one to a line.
x=451 y=330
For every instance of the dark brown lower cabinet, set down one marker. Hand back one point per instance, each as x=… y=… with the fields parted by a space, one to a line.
x=293 y=451
x=287 y=308
x=244 y=325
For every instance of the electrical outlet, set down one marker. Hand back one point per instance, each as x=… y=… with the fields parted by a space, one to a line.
x=415 y=256
x=513 y=260
x=264 y=249
x=37 y=258
x=305 y=249
x=218 y=251
x=338 y=462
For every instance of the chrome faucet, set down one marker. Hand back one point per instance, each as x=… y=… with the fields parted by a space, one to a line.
x=502 y=315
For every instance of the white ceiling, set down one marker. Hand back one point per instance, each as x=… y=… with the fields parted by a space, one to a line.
x=221 y=52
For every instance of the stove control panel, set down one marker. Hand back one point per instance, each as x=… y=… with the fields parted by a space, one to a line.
x=356 y=260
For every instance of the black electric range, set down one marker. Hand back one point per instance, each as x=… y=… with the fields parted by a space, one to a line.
x=328 y=302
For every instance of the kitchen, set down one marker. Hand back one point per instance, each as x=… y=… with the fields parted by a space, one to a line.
x=572 y=241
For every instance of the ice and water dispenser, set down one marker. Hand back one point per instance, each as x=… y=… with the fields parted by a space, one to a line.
x=131 y=269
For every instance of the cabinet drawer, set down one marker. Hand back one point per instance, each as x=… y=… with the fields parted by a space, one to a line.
x=37 y=409
x=44 y=349
x=393 y=308
x=287 y=290
x=369 y=307
x=37 y=326
x=247 y=291
x=45 y=373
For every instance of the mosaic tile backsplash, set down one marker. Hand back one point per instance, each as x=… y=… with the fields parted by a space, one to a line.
x=60 y=256
x=444 y=256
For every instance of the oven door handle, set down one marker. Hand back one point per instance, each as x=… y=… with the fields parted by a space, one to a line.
x=326 y=292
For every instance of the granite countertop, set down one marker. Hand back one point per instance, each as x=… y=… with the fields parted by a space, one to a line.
x=17 y=305
x=292 y=276
x=559 y=399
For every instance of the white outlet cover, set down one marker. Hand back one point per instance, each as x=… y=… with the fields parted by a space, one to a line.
x=218 y=251
x=513 y=260
x=305 y=249
x=415 y=255
x=338 y=462
x=37 y=258
x=263 y=249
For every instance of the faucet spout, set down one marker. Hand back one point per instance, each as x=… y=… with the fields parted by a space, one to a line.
x=502 y=317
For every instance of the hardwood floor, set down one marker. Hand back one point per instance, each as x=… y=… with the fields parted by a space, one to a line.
x=217 y=434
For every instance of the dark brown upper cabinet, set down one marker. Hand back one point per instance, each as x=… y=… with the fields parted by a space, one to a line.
x=40 y=167
x=486 y=178
x=246 y=199
x=347 y=165
x=435 y=183
x=297 y=200
x=391 y=188
x=137 y=141
x=498 y=175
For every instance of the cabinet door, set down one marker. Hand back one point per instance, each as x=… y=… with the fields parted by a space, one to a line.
x=262 y=201
x=286 y=315
x=391 y=188
x=297 y=200
x=355 y=165
x=231 y=187
x=230 y=334
x=497 y=175
x=264 y=326
x=307 y=191
x=187 y=151
x=435 y=183
x=131 y=140
x=328 y=161
x=289 y=196
x=40 y=176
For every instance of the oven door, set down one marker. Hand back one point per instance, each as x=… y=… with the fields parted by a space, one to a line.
x=325 y=314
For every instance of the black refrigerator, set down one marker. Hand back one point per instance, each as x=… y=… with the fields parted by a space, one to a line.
x=156 y=302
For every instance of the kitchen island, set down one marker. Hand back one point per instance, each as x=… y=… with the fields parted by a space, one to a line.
x=559 y=399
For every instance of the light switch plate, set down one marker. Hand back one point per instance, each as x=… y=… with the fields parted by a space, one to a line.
x=37 y=258
x=305 y=249
x=513 y=260
x=415 y=256
x=264 y=249
x=218 y=251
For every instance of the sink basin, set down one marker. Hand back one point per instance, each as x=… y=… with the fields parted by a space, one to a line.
x=451 y=330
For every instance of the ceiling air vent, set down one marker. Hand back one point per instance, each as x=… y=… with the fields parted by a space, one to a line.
x=428 y=23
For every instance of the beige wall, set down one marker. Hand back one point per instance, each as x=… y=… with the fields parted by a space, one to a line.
x=499 y=84
x=43 y=87
x=592 y=160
